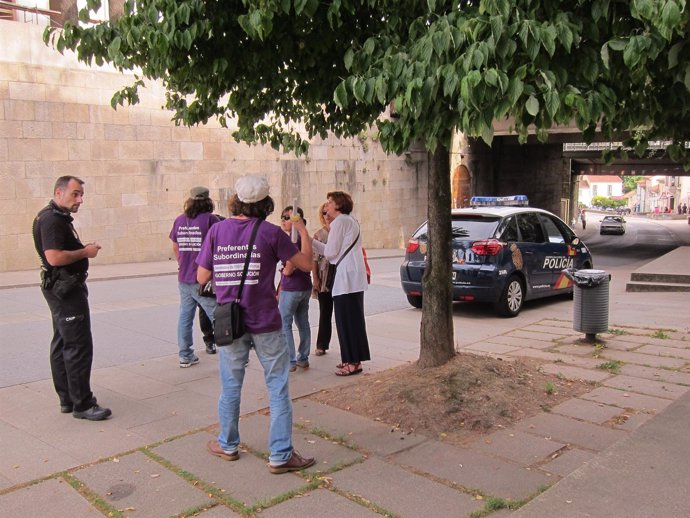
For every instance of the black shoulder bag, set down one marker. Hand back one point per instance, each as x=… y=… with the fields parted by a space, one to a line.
x=229 y=318
x=332 y=268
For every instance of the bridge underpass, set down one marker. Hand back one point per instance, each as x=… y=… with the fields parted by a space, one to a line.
x=549 y=173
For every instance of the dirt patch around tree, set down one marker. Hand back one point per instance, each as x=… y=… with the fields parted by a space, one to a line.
x=465 y=398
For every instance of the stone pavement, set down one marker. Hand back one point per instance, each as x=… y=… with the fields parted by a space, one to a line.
x=616 y=450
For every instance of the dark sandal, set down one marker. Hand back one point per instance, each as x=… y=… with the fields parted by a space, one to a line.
x=348 y=369
x=320 y=352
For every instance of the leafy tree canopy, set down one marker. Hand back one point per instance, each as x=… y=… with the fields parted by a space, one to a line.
x=630 y=183
x=619 y=67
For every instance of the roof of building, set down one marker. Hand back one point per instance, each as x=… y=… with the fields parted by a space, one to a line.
x=603 y=179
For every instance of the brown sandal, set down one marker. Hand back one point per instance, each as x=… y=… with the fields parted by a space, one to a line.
x=348 y=369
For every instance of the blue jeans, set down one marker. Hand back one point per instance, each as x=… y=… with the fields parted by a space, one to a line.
x=272 y=353
x=295 y=305
x=189 y=298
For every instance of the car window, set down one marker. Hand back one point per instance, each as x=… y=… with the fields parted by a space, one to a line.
x=474 y=227
x=530 y=228
x=465 y=227
x=552 y=231
x=507 y=230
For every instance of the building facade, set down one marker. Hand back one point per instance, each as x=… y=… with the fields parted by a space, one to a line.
x=56 y=119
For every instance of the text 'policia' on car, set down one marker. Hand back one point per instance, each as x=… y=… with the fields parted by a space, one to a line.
x=504 y=253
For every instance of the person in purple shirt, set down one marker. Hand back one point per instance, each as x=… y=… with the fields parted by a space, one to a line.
x=293 y=303
x=188 y=232
x=222 y=258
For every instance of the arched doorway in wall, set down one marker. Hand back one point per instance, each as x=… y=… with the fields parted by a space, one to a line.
x=460 y=187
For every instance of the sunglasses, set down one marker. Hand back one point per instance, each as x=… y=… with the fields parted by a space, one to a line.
x=285 y=218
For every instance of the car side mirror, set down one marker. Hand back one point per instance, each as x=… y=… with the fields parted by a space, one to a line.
x=575 y=241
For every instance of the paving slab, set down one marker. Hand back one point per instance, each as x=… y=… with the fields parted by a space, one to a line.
x=328 y=454
x=132 y=385
x=644 y=359
x=555 y=357
x=575 y=373
x=660 y=389
x=398 y=491
x=54 y=498
x=568 y=461
x=219 y=511
x=142 y=485
x=597 y=413
x=519 y=341
x=490 y=348
x=621 y=345
x=24 y=457
x=585 y=435
x=625 y=399
x=548 y=327
x=474 y=470
x=374 y=437
x=246 y=480
x=659 y=350
x=530 y=334
x=520 y=447
x=632 y=479
x=574 y=349
x=650 y=340
x=637 y=371
x=320 y=502
x=631 y=420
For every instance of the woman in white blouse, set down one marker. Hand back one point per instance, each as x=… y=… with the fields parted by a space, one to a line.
x=350 y=282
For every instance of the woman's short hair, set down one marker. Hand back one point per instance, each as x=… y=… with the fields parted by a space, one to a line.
x=195 y=206
x=343 y=201
x=260 y=209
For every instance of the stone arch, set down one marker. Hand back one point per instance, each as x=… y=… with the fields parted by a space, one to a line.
x=460 y=187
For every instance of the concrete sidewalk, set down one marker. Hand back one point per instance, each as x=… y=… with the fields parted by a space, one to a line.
x=612 y=451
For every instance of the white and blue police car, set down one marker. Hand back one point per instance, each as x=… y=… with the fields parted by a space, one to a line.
x=504 y=253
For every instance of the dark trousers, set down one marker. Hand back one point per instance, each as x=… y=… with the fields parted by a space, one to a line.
x=71 y=349
x=351 y=327
x=206 y=327
x=323 y=339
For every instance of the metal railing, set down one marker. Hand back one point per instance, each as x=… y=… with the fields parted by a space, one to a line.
x=8 y=7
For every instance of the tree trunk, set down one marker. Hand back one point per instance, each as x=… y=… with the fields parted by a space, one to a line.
x=437 y=343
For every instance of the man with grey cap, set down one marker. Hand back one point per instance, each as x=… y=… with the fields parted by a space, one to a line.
x=222 y=257
x=188 y=232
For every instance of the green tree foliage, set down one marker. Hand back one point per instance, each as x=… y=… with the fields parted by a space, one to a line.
x=265 y=67
x=607 y=203
x=630 y=183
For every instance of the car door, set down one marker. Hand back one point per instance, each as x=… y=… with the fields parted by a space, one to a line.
x=558 y=255
x=531 y=245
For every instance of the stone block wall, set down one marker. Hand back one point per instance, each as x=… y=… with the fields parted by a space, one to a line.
x=56 y=119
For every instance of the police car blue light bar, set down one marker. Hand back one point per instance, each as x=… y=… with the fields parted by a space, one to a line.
x=518 y=200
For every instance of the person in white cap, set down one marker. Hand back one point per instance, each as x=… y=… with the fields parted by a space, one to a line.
x=222 y=258
x=188 y=232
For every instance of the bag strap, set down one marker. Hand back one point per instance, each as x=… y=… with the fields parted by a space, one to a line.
x=249 y=256
x=349 y=248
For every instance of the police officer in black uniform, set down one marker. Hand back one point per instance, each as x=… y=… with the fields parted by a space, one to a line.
x=65 y=262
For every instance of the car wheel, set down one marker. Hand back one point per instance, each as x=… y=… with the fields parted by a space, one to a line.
x=510 y=302
x=415 y=300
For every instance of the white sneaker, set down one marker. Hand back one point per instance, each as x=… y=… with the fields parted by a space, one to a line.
x=184 y=363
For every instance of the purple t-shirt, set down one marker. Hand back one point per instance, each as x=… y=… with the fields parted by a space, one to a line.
x=298 y=280
x=224 y=251
x=189 y=233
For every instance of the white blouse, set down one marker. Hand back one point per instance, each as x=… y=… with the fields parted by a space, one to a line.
x=351 y=276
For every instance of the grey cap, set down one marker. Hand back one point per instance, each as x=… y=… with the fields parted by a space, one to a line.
x=199 y=193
